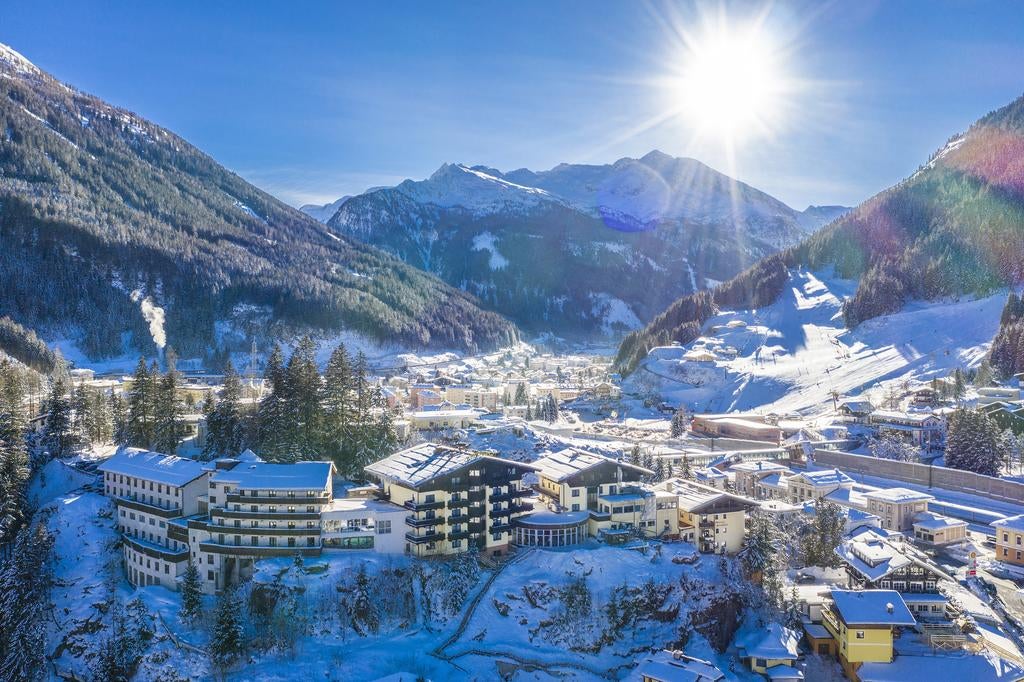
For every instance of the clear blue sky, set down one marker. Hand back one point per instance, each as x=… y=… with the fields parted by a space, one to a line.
x=314 y=100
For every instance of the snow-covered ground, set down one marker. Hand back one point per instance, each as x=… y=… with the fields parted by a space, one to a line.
x=793 y=354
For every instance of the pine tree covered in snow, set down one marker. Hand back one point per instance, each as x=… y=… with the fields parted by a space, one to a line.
x=14 y=469
x=59 y=437
x=892 y=446
x=823 y=535
x=191 y=599
x=226 y=639
x=974 y=443
x=140 y=424
x=677 y=427
x=225 y=427
x=168 y=408
x=25 y=608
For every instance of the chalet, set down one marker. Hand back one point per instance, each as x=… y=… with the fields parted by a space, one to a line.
x=863 y=624
x=573 y=479
x=770 y=651
x=873 y=560
x=921 y=428
x=711 y=520
x=897 y=507
x=456 y=498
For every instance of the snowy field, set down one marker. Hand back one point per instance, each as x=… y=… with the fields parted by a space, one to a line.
x=792 y=355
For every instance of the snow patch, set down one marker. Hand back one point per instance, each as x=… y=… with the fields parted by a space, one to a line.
x=485 y=241
x=615 y=313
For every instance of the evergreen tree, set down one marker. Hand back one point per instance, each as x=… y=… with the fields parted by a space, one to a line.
x=224 y=418
x=974 y=443
x=552 y=409
x=959 y=385
x=823 y=535
x=339 y=417
x=14 y=470
x=271 y=416
x=25 y=608
x=659 y=470
x=168 y=413
x=140 y=423
x=119 y=419
x=59 y=438
x=226 y=642
x=520 y=398
x=191 y=599
x=301 y=405
x=684 y=467
x=634 y=455
x=81 y=408
x=677 y=427
x=529 y=412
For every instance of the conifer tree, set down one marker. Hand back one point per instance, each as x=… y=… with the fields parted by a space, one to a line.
x=520 y=398
x=141 y=400
x=974 y=443
x=168 y=412
x=59 y=438
x=271 y=416
x=677 y=427
x=191 y=599
x=684 y=467
x=226 y=640
x=25 y=608
x=339 y=417
x=119 y=419
x=224 y=417
x=14 y=469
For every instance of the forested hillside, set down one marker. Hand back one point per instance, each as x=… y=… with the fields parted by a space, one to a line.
x=106 y=218
x=955 y=227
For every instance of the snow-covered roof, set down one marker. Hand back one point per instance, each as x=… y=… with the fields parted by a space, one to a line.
x=693 y=496
x=872 y=607
x=760 y=465
x=898 y=416
x=907 y=668
x=774 y=481
x=268 y=476
x=933 y=521
x=869 y=552
x=774 y=641
x=421 y=463
x=358 y=504
x=861 y=406
x=847 y=497
x=825 y=477
x=558 y=466
x=898 y=496
x=153 y=466
x=784 y=672
x=667 y=666
x=1010 y=523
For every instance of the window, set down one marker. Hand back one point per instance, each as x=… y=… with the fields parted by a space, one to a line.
x=456 y=544
x=575 y=506
x=761 y=663
x=575 y=492
x=273 y=542
x=209 y=560
x=310 y=509
x=254 y=507
x=384 y=527
x=860 y=634
x=254 y=541
x=291 y=509
x=209 y=576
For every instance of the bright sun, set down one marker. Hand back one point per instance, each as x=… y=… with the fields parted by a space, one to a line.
x=731 y=83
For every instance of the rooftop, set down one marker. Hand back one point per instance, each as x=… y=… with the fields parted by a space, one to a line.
x=933 y=521
x=774 y=641
x=153 y=466
x=267 y=476
x=906 y=668
x=825 y=477
x=1011 y=523
x=426 y=461
x=898 y=496
x=872 y=607
x=558 y=466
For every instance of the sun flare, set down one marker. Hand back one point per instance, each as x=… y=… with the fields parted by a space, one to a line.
x=731 y=81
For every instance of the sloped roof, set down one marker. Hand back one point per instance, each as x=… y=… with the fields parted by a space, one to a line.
x=153 y=466
x=421 y=463
x=774 y=642
x=558 y=466
x=872 y=607
x=824 y=477
x=269 y=476
x=898 y=495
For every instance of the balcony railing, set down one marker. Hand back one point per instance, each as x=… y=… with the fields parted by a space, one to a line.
x=423 y=522
x=423 y=506
x=146 y=507
x=322 y=498
x=420 y=539
x=510 y=495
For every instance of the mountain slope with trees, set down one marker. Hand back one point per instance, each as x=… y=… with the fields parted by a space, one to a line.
x=118 y=234
x=955 y=227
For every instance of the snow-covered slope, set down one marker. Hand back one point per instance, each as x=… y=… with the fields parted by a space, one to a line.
x=793 y=354
x=551 y=249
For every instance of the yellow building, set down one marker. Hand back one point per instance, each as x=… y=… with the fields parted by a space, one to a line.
x=862 y=623
x=712 y=520
x=770 y=651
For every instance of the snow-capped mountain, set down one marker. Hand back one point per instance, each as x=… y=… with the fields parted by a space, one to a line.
x=324 y=212
x=577 y=248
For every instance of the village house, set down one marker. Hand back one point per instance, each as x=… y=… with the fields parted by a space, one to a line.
x=897 y=507
x=863 y=623
x=875 y=561
x=456 y=499
x=1010 y=540
x=438 y=417
x=813 y=485
x=711 y=520
x=923 y=429
x=747 y=474
x=574 y=479
x=770 y=651
x=855 y=411
x=674 y=666
x=934 y=529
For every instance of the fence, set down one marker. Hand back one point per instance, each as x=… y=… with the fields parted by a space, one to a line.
x=924 y=474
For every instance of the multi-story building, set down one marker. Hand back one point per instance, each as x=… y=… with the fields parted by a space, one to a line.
x=574 y=479
x=712 y=520
x=455 y=498
x=813 y=485
x=363 y=523
x=255 y=510
x=1010 y=539
x=897 y=507
x=921 y=428
x=933 y=529
x=862 y=624
x=874 y=561
x=747 y=474
x=151 y=491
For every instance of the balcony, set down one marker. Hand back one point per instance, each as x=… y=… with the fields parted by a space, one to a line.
x=241 y=514
x=465 y=533
x=258 y=551
x=423 y=506
x=323 y=498
x=501 y=526
x=477 y=495
x=424 y=522
x=421 y=539
x=145 y=507
x=510 y=495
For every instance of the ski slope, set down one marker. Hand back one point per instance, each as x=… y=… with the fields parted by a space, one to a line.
x=792 y=355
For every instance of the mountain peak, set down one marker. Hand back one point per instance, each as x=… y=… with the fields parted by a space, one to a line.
x=17 y=62
x=656 y=156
